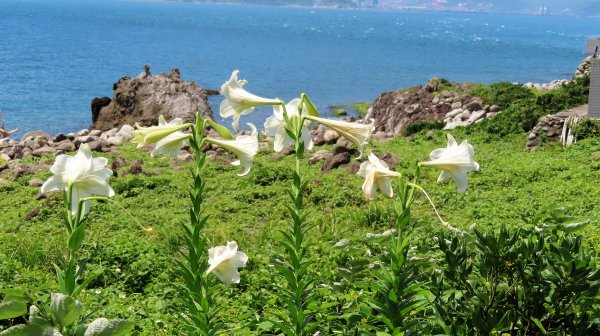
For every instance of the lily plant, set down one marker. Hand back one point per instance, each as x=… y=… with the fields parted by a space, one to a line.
x=81 y=179
x=197 y=259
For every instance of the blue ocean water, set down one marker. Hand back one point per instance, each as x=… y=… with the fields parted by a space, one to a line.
x=55 y=56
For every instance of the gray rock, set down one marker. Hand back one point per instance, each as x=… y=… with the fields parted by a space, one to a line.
x=495 y=108
x=331 y=136
x=95 y=133
x=473 y=106
x=116 y=140
x=335 y=161
x=35 y=182
x=83 y=132
x=47 y=150
x=83 y=140
x=36 y=134
x=319 y=155
x=65 y=146
x=145 y=98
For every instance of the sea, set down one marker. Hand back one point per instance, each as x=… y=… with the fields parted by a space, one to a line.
x=55 y=56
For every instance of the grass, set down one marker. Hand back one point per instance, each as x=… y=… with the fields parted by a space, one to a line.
x=137 y=270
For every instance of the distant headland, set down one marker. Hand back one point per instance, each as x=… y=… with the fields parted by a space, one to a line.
x=577 y=8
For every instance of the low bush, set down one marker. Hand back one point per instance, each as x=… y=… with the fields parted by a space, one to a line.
x=423 y=125
x=586 y=128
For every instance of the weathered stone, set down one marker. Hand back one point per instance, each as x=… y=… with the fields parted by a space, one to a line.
x=117 y=163
x=65 y=146
x=144 y=98
x=47 y=150
x=330 y=136
x=97 y=145
x=495 y=108
x=83 y=140
x=319 y=156
x=35 y=182
x=473 y=106
x=36 y=134
x=96 y=133
x=60 y=137
x=335 y=161
x=390 y=158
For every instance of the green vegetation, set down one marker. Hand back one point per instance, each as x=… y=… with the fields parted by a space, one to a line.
x=423 y=125
x=522 y=107
x=586 y=128
x=136 y=267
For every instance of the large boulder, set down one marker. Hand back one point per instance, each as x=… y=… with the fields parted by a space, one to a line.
x=143 y=98
x=394 y=111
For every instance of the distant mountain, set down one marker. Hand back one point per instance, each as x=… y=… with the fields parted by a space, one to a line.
x=540 y=7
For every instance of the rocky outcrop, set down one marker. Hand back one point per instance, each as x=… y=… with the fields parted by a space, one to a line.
x=585 y=67
x=437 y=101
x=143 y=98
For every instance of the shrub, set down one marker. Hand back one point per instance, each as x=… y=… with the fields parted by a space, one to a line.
x=521 y=282
x=423 y=125
x=587 y=128
x=502 y=94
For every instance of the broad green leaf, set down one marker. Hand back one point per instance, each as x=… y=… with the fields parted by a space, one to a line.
x=104 y=327
x=65 y=309
x=12 y=309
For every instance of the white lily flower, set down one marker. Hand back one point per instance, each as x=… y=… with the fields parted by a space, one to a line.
x=153 y=134
x=377 y=176
x=238 y=101
x=244 y=147
x=356 y=133
x=455 y=161
x=224 y=261
x=275 y=126
x=86 y=175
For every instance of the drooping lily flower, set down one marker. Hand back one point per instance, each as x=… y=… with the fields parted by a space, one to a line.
x=224 y=261
x=275 y=126
x=171 y=144
x=356 y=133
x=455 y=161
x=377 y=176
x=153 y=134
x=86 y=175
x=238 y=101
x=244 y=147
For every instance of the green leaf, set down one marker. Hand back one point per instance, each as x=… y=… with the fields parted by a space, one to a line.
x=222 y=130
x=104 y=327
x=65 y=309
x=12 y=309
x=29 y=330
x=76 y=237
x=539 y=325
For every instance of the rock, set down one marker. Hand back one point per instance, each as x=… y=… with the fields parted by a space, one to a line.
x=115 y=140
x=65 y=146
x=330 y=136
x=473 y=106
x=36 y=134
x=335 y=161
x=136 y=167
x=429 y=135
x=83 y=132
x=83 y=140
x=340 y=148
x=98 y=145
x=453 y=113
x=95 y=133
x=35 y=182
x=46 y=150
x=145 y=98
x=4 y=182
x=60 y=137
x=465 y=115
x=394 y=111
x=110 y=133
x=595 y=154
x=475 y=116
x=22 y=169
x=117 y=163
x=456 y=105
x=353 y=167
x=319 y=156
x=97 y=105
x=390 y=158
x=185 y=157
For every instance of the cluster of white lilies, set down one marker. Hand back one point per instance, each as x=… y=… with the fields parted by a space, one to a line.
x=88 y=176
